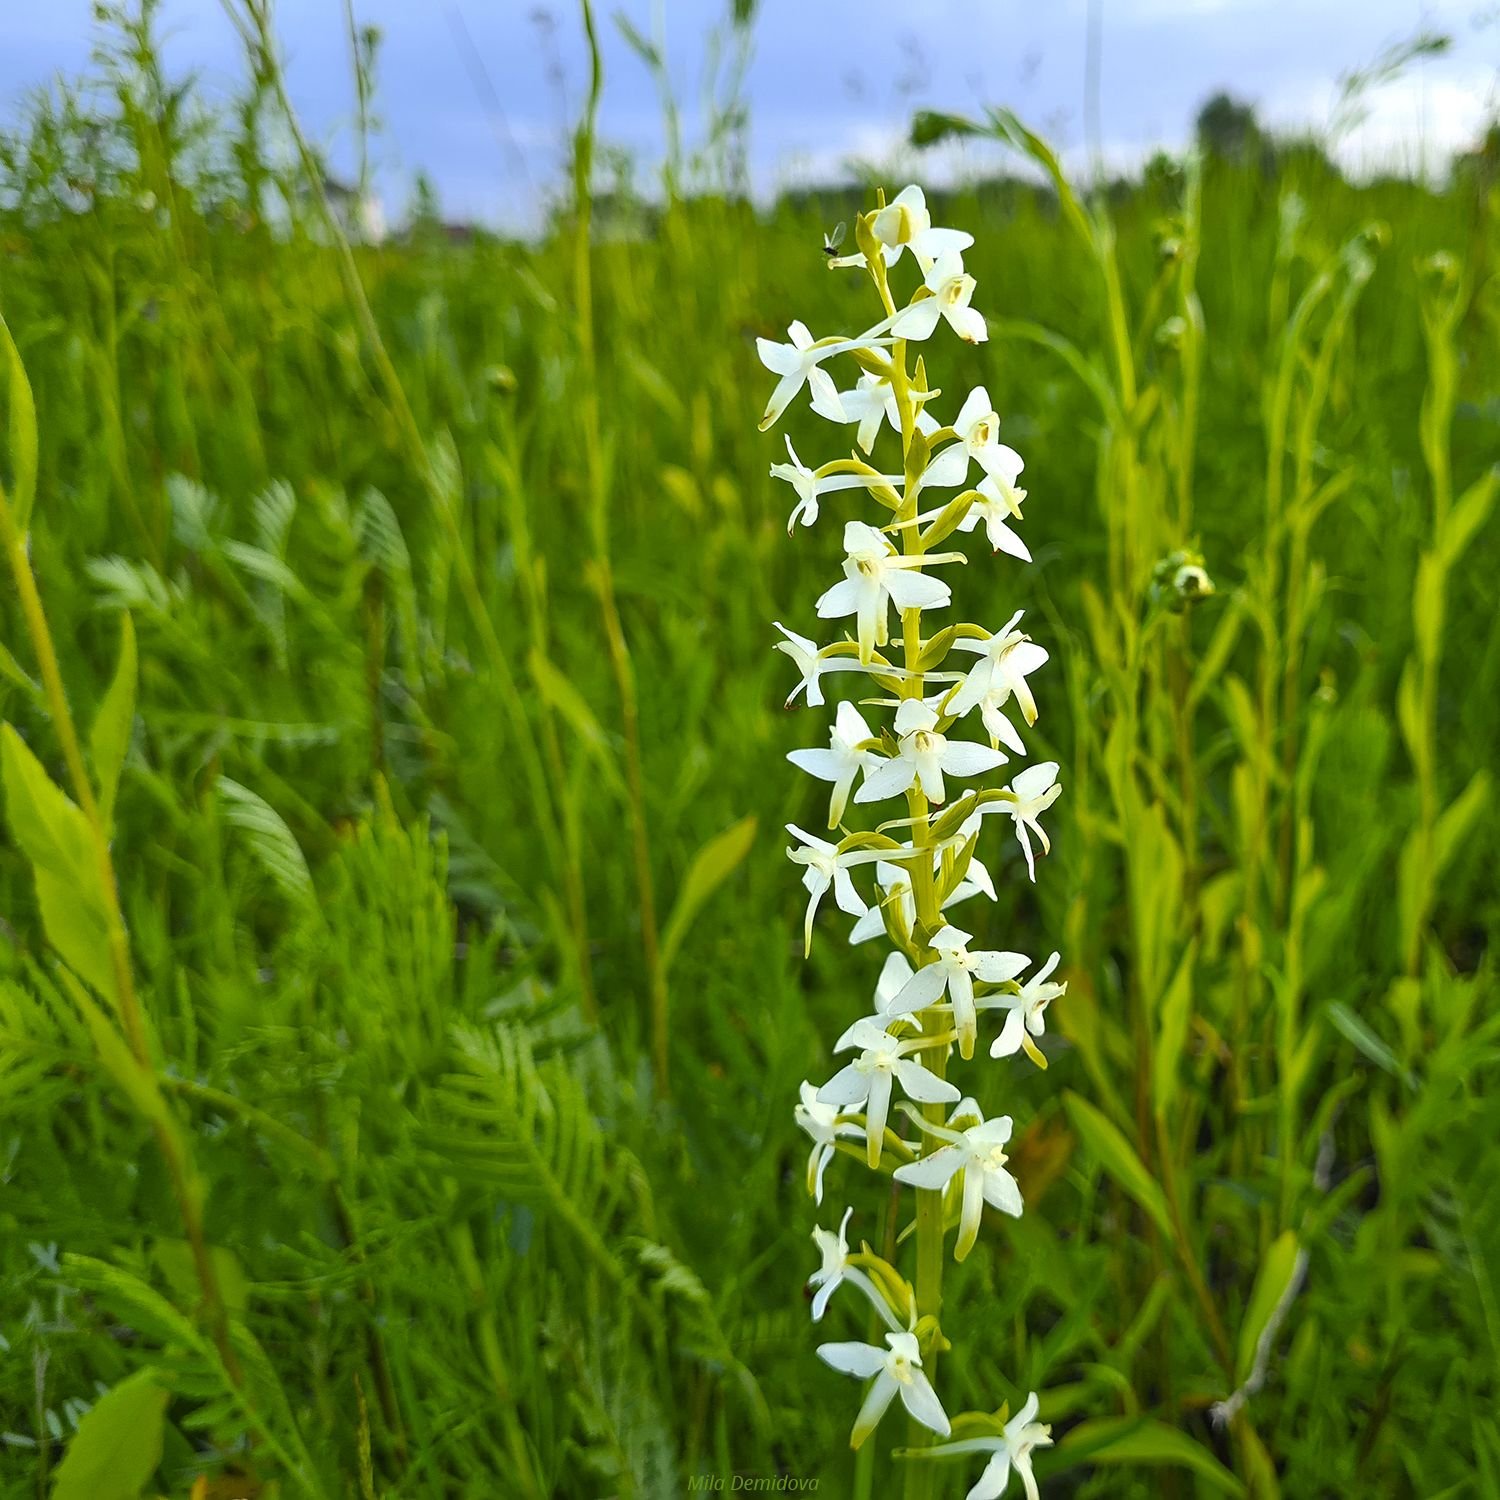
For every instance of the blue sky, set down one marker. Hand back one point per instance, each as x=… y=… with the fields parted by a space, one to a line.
x=827 y=80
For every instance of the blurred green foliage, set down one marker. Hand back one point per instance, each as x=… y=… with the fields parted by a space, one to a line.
x=381 y=848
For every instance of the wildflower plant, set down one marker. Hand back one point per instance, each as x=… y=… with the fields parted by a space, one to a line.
x=936 y=718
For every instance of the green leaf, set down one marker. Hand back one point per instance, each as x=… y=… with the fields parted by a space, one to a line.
x=712 y=865
x=1363 y=1038
x=13 y=672
x=1409 y=714
x=1118 y=1158
x=23 y=443
x=1007 y=127
x=54 y=835
x=1468 y=515
x=118 y=1444
x=1271 y=1281
x=930 y=127
x=274 y=845
x=109 y=738
x=1456 y=820
x=135 y=1080
x=564 y=698
x=1133 y=1440
x=1427 y=605
x=1173 y=1019
x=175 y=1257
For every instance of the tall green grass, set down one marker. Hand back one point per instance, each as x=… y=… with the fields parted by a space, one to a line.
x=449 y=1155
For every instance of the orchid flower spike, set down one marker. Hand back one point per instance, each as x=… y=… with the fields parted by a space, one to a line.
x=866 y=1082
x=908 y=745
x=896 y=1370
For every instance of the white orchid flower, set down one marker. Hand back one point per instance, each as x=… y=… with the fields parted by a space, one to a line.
x=822 y=1123
x=1011 y=1450
x=951 y=287
x=924 y=757
x=1027 y=1014
x=810 y=665
x=1005 y=660
x=977 y=1152
x=814 y=662
x=904 y=223
x=953 y=972
x=825 y=868
x=876 y=576
x=895 y=884
x=842 y=761
x=836 y=1270
x=894 y=973
x=866 y=1082
x=977 y=430
x=993 y=509
x=898 y=1369
x=800 y=363
x=872 y=398
x=1035 y=790
x=812 y=484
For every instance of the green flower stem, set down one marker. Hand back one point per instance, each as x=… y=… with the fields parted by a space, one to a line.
x=929 y=1285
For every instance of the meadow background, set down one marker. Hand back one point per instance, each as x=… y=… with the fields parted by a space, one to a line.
x=413 y=606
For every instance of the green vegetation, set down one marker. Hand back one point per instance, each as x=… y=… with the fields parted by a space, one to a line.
x=401 y=988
